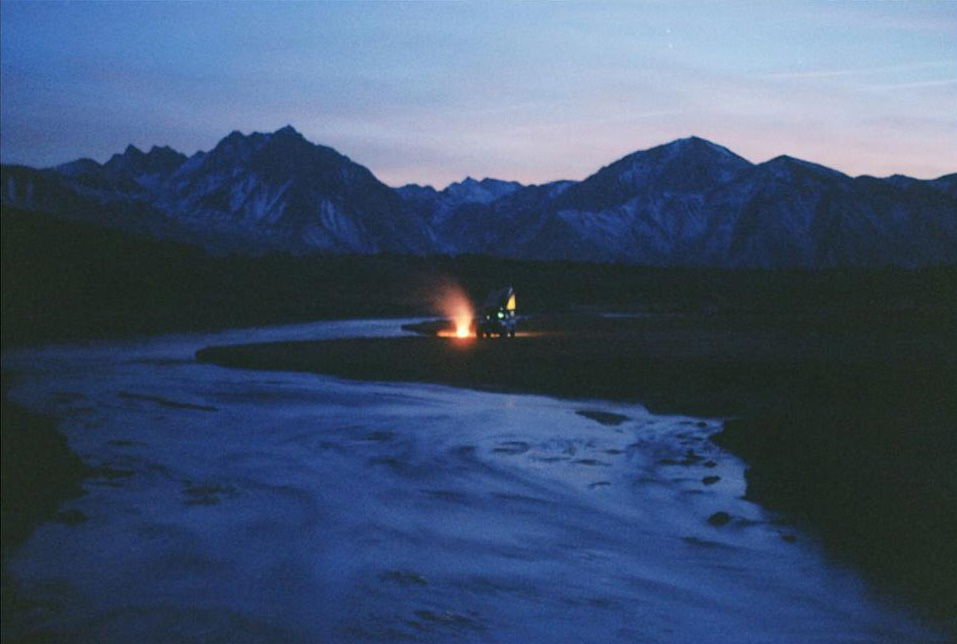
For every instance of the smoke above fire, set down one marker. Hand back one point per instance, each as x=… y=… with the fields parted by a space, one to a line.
x=450 y=299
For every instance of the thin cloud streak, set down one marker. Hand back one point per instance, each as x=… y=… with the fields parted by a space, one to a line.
x=862 y=71
x=432 y=92
x=915 y=85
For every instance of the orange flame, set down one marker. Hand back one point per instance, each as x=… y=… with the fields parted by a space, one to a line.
x=454 y=304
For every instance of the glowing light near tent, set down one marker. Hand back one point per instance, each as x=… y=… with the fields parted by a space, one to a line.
x=454 y=304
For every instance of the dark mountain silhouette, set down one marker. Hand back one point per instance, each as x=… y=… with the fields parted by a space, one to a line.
x=686 y=203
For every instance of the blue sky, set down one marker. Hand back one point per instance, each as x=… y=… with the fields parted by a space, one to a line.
x=534 y=91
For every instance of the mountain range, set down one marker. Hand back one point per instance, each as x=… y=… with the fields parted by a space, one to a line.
x=686 y=203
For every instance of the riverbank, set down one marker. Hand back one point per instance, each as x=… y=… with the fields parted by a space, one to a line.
x=39 y=471
x=850 y=430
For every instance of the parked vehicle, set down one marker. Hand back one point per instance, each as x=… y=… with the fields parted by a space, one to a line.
x=498 y=315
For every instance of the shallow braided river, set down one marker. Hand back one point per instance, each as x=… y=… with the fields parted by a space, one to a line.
x=229 y=505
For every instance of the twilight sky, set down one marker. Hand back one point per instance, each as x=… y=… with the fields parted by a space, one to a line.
x=534 y=91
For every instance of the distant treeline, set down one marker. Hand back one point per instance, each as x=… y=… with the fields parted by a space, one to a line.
x=69 y=280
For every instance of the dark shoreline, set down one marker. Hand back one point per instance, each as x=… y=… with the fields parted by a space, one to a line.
x=852 y=433
x=39 y=472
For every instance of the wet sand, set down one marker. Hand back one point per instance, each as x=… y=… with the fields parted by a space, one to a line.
x=851 y=431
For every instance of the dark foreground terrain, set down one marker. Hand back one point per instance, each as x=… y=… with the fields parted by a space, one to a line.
x=66 y=280
x=39 y=471
x=849 y=428
x=840 y=383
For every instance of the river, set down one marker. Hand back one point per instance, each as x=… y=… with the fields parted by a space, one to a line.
x=230 y=505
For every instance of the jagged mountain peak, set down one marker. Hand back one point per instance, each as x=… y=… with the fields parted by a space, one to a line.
x=144 y=167
x=295 y=192
x=470 y=181
x=689 y=202
x=288 y=131
x=130 y=155
x=236 y=141
x=485 y=191
x=133 y=151
x=135 y=154
x=277 y=158
x=287 y=141
x=131 y=165
x=165 y=158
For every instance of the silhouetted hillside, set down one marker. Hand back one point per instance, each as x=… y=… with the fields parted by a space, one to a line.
x=64 y=279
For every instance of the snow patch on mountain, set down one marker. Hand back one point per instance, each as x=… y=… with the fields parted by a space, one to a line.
x=686 y=203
